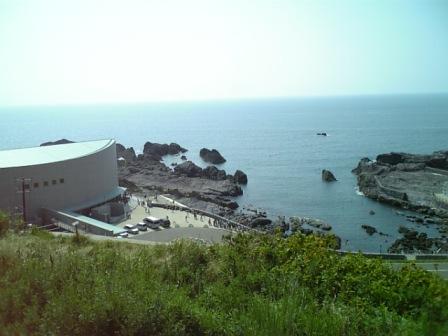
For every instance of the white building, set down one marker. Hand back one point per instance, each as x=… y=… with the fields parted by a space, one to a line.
x=65 y=177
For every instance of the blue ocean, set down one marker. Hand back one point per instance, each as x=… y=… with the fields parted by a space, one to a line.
x=273 y=140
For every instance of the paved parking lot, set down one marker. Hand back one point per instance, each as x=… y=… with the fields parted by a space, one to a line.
x=183 y=224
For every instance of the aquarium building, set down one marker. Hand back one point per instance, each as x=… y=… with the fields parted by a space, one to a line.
x=60 y=178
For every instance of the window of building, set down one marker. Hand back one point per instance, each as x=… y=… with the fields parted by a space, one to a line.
x=54 y=182
x=45 y=183
x=36 y=185
x=61 y=180
x=26 y=186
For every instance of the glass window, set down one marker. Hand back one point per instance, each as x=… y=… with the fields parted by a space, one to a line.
x=36 y=185
x=61 y=180
x=54 y=182
x=45 y=183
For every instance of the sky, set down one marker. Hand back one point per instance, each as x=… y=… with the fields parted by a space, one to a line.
x=95 y=51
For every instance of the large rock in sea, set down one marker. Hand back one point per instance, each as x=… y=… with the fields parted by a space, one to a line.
x=156 y=151
x=57 y=142
x=240 y=177
x=189 y=169
x=212 y=156
x=328 y=176
x=369 y=229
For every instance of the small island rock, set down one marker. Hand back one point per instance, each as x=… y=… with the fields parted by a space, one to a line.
x=240 y=177
x=212 y=156
x=57 y=142
x=328 y=176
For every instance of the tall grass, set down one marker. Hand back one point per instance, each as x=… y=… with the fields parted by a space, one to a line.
x=250 y=285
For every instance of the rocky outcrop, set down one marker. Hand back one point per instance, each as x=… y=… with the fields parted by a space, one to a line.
x=328 y=176
x=213 y=173
x=212 y=156
x=406 y=180
x=183 y=157
x=57 y=142
x=127 y=153
x=156 y=151
x=414 y=242
x=189 y=169
x=210 y=187
x=369 y=229
x=260 y=222
x=322 y=133
x=240 y=177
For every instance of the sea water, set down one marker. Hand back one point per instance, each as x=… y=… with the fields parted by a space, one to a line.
x=273 y=140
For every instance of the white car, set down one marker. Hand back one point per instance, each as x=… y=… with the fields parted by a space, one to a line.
x=133 y=231
x=152 y=222
x=123 y=235
x=130 y=227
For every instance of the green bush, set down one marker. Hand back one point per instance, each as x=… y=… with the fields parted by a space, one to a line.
x=4 y=224
x=249 y=285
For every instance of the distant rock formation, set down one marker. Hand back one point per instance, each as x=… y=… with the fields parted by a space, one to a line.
x=213 y=173
x=410 y=181
x=322 y=133
x=156 y=151
x=127 y=153
x=328 y=176
x=57 y=142
x=240 y=177
x=189 y=169
x=369 y=229
x=415 y=242
x=212 y=156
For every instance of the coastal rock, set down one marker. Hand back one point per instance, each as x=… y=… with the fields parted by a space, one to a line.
x=314 y=222
x=212 y=156
x=328 y=176
x=322 y=133
x=189 y=169
x=409 y=181
x=183 y=157
x=240 y=177
x=208 y=191
x=213 y=173
x=260 y=222
x=156 y=151
x=127 y=153
x=413 y=242
x=390 y=158
x=57 y=142
x=369 y=229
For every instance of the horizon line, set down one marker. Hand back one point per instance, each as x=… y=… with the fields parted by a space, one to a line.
x=224 y=99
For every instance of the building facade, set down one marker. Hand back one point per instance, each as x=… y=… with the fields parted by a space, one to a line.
x=59 y=177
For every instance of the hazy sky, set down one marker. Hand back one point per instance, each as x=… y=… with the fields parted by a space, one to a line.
x=84 y=51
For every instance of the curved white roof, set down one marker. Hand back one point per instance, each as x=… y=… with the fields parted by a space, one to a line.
x=49 y=154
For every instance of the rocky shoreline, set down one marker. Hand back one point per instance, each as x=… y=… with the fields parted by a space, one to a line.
x=209 y=189
x=146 y=173
x=412 y=182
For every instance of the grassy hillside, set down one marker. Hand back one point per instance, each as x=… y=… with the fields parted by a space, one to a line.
x=251 y=285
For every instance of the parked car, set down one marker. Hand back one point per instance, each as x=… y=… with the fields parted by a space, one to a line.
x=123 y=235
x=165 y=223
x=152 y=222
x=142 y=226
x=128 y=227
x=133 y=231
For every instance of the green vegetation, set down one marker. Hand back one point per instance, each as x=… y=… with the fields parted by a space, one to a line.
x=250 y=285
